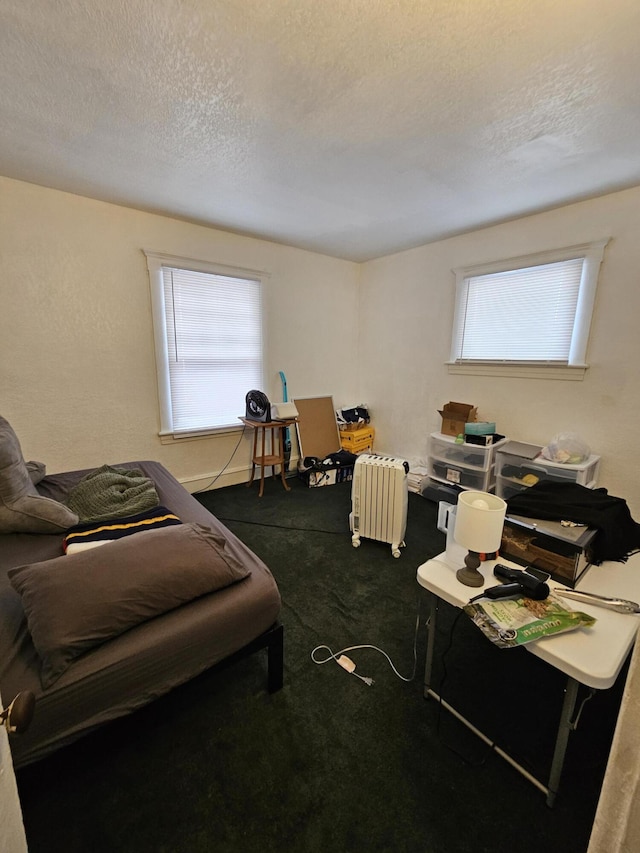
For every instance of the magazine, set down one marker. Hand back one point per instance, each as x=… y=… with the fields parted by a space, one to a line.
x=510 y=622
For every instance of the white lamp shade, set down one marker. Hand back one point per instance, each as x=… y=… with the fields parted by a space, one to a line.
x=479 y=521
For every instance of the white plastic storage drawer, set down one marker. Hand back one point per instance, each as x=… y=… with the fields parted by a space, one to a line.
x=443 y=448
x=458 y=475
x=513 y=473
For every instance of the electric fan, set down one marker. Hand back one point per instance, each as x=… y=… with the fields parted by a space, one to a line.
x=258 y=406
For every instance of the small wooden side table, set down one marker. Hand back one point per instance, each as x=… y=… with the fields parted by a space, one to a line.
x=276 y=455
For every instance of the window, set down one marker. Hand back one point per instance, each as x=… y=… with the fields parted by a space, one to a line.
x=526 y=316
x=208 y=331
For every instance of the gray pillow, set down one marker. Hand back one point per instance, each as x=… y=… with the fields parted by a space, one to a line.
x=22 y=509
x=76 y=602
x=37 y=471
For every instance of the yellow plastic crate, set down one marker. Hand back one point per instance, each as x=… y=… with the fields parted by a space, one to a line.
x=357 y=440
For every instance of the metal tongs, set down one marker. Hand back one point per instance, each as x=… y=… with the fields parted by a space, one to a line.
x=622 y=605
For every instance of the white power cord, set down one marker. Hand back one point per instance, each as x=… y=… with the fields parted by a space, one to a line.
x=349 y=666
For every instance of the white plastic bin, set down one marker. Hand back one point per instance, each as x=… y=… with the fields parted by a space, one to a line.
x=515 y=473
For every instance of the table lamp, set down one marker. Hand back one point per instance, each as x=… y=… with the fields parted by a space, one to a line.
x=479 y=523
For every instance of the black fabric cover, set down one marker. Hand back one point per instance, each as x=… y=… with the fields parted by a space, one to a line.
x=618 y=534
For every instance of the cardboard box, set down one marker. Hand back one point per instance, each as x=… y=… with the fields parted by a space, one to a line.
x=358 y=440
x=455 y=416
x=563 y=552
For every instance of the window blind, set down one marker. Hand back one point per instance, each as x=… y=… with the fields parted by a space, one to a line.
x=214 y=346
x=523 y=315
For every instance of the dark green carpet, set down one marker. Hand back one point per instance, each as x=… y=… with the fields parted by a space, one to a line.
x=329 y=763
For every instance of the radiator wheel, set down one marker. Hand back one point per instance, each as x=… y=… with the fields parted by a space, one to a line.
x=395 y=549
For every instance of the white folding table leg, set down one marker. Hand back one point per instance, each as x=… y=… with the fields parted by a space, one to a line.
x=431 y=640
x=565 y=727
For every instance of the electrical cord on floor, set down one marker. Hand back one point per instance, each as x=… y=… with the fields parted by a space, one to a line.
x=259 y=523
x=220 y=473
x=282 y=526
x=349 y=666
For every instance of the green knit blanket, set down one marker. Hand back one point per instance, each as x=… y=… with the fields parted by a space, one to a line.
x=112 y=493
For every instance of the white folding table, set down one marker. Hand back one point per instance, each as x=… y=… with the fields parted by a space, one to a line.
x=590 y=656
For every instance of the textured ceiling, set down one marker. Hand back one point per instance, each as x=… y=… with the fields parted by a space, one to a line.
x=355 y=128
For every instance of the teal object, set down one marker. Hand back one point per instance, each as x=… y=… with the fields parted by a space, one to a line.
x=482 y=428
x=287 y=434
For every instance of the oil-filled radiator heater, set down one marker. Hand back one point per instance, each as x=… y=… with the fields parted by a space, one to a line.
x=379 y=500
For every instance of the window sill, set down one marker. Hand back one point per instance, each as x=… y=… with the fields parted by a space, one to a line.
x=173 y=437
x=521 y=371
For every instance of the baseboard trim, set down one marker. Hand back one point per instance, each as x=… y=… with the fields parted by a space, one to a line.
x=229 y=477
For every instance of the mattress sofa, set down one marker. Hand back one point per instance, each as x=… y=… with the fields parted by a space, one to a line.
x=73 y=633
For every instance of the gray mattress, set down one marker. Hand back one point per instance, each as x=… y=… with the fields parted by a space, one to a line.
x=143 y=663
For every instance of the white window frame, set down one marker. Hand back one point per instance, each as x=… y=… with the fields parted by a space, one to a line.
x=156 y=261
x=576 y=365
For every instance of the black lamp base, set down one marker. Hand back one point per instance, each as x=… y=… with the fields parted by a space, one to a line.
x=469 y=575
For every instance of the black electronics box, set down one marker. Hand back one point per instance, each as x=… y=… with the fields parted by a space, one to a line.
x=563 y=552
x=483 y=440
x=434 y=490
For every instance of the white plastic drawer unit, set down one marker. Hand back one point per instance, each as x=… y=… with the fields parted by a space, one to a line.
x=514 y=473
x=443 y=448
x=457 y=475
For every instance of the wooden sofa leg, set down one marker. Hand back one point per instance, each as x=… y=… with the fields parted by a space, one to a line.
x=275 y=659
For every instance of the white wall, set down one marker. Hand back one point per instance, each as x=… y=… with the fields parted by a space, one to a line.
x=12 y=836
x=406 y=313
x=77 y=373
x=77 y=370
x=616 y=828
